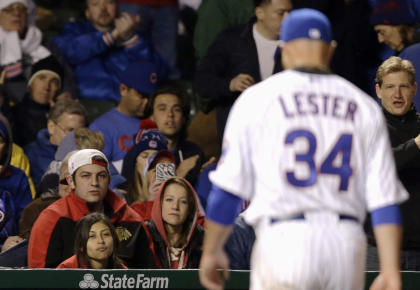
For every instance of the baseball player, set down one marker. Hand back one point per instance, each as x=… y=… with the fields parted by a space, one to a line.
x=311 y=152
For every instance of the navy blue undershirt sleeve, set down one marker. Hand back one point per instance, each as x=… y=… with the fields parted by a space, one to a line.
x=222 y=206
x=386 y=215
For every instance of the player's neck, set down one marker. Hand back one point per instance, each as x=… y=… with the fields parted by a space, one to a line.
x=309 y=64
x=315 y=70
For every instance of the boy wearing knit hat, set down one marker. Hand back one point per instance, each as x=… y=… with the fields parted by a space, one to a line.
x=30 y=115
x=45 y=80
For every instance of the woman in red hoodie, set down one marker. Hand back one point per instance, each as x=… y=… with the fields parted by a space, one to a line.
x=177 y=237
x=95 y=244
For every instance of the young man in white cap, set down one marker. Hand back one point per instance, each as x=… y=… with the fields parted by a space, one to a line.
x=313 y=159
x=52 y=237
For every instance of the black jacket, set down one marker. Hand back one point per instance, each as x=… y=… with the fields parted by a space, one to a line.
x=233 y=52
x=402 y=131
x=193 y=249
x=28 y=117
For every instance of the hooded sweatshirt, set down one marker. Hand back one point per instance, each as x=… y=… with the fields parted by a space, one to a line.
x=167 y=257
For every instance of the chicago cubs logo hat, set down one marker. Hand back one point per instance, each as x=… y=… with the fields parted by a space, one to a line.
x=393 y=12
x=86 y=157
x=306 y=23
x=141 y=76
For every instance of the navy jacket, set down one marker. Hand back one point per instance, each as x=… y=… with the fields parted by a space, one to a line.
x=233 y=52
x=239 y=245
x=40 y=154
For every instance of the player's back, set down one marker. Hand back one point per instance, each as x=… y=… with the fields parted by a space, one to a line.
x=310 y=143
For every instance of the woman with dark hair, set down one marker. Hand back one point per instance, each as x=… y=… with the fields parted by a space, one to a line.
x=176 y=235
x=95 y=244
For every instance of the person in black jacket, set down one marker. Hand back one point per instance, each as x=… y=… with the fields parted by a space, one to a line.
x=240 y=57
x=396 y=87
x=30 y=115
x=177 y=236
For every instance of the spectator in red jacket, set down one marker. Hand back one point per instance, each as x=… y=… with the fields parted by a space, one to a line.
x=52 y=236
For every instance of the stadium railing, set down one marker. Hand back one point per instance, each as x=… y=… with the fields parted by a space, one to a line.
x=137 y=279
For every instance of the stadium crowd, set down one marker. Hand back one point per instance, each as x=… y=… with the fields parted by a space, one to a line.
x=112 y=120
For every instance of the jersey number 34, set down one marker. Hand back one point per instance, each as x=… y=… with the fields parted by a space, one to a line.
x=342 y=148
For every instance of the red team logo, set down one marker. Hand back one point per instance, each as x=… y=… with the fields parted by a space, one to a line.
x=122 y=141
x=153 y=78
x=153 y=144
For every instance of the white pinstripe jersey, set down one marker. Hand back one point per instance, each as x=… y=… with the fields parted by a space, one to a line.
x=298 y=142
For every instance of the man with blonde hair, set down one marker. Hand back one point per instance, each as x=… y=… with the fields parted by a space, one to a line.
x=396 y=87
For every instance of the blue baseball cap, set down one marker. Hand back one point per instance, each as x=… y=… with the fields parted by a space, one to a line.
x=306 y=23
x=141 y=76
x=392 y=12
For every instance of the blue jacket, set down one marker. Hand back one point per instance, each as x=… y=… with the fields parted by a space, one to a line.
x=15 y=181
x=97 y=64
x=8 y=226
x=12 y=179
x=40 y=154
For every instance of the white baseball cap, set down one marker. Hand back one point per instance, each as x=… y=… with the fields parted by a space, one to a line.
x=5 y=3
x=85 y=157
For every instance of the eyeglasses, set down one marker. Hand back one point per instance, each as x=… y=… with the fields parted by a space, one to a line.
x=64 y=130
x=16 y=7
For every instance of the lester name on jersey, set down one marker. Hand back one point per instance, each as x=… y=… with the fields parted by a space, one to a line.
x=316 y=104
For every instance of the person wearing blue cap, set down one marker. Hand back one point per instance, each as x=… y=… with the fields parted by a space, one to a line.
x=314 y=157
x=121 y=123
